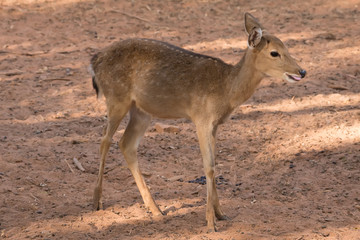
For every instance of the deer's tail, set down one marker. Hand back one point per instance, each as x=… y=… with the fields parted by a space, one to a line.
x=92 y=72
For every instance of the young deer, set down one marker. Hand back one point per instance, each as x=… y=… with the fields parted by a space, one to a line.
x=153 y=78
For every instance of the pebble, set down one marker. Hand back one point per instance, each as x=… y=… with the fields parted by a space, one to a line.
x=161 y=128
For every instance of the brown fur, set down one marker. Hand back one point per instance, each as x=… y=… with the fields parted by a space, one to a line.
x=153 y=78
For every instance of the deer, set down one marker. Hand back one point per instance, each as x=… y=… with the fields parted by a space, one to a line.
x=154 y=79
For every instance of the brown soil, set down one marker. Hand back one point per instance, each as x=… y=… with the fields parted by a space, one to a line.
x=287 y=161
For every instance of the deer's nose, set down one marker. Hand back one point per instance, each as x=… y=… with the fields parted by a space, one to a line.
x=302 y=73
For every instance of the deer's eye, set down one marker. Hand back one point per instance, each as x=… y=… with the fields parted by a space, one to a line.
x=275 y=54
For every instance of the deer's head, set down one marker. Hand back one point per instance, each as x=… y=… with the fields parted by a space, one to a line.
x=272 y=57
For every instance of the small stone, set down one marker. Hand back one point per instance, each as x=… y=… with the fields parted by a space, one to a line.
x=75 y=142
x=147 y=174
x=161 y=128
x=176 y=178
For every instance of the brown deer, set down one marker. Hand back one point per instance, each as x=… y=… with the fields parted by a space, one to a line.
x=150 y=78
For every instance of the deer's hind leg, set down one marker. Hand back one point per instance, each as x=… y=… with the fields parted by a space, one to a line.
x=116 y=112
x=139 y=122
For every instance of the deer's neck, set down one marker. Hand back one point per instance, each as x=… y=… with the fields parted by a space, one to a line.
x=244 y=79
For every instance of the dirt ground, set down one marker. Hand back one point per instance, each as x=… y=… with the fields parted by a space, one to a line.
x=288 y=160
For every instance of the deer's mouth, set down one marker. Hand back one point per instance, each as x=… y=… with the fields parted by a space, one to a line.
x=292 y=77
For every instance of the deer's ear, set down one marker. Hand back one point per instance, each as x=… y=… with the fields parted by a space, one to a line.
x=254 y=37
x=250 y=23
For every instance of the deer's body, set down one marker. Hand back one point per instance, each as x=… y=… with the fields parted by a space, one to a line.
x=176 y=79
x=155 y=79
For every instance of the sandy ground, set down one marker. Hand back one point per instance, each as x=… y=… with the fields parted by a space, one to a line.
x=288 y=160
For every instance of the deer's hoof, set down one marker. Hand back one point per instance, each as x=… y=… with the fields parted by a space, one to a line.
x=157 y=212
x=97 y=203
x=97 y=206
x=211 y=229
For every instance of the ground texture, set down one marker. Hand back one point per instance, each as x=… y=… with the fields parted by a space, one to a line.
x=288 y=160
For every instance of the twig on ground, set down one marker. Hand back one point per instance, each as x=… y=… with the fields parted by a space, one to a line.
x=35 y=198
x=338 y=87
x=12 y=73
x=129 y=15
x=56 y=79
x=29 y=54
x=69 y=166
x=351 y=76
x=113 y=168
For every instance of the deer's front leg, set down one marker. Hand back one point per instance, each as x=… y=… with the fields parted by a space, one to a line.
x=206 y=135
